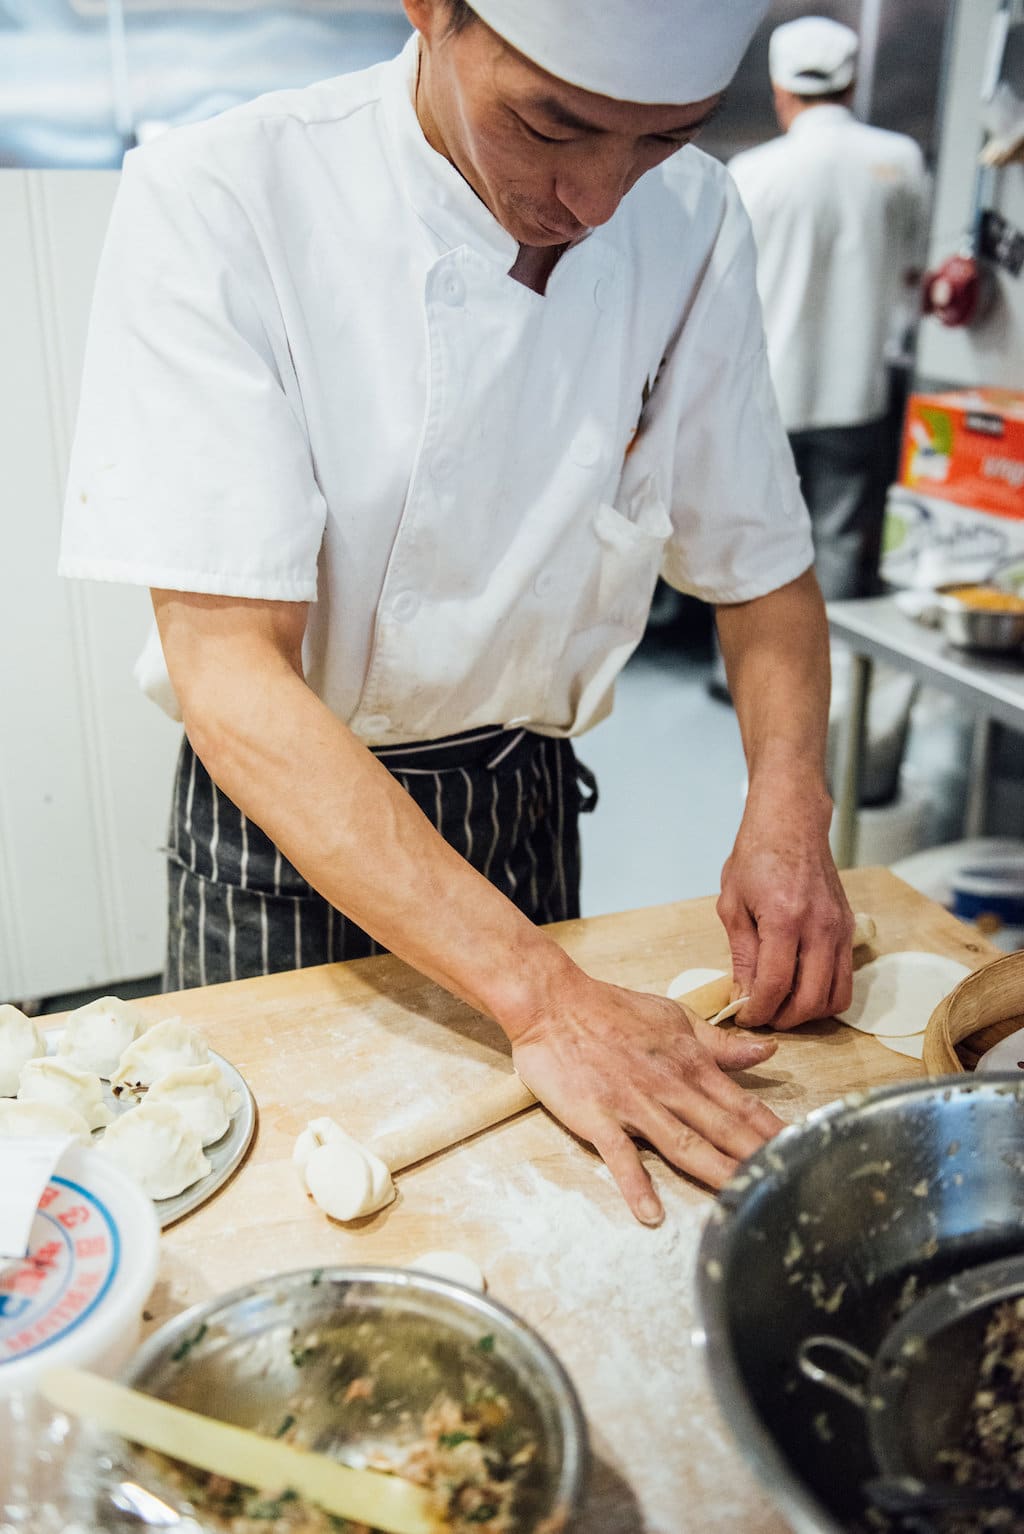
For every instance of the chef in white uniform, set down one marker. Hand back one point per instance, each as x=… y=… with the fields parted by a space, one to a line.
x=839 y=211
x=400 y=392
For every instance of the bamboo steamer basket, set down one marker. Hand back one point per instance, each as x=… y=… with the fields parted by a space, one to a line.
x=983 y=1009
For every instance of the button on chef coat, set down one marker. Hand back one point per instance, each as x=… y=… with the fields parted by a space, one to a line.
x=839 y=216
x=309 y=377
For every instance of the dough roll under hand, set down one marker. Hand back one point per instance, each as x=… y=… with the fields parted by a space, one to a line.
x=350 y=1181
x=454 y=1122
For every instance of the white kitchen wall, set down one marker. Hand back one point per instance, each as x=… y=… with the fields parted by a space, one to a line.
x=992 y=350
x=85 y=762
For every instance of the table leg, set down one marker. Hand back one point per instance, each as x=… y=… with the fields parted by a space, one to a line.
x=975 y=810
x=851 y=756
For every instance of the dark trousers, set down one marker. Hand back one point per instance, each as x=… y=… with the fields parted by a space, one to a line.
x=508 y=801
x=844 y=475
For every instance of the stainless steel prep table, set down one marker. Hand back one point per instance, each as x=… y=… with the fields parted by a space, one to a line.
x=992 y=687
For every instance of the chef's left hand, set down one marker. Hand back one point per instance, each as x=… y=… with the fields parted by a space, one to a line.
x=789 y=923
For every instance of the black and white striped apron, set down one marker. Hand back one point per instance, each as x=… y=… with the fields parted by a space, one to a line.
x=507 y=800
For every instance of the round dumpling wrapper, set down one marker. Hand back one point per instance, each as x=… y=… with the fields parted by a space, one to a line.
x=454 y=1265
x=896 y=994
x=690 y=980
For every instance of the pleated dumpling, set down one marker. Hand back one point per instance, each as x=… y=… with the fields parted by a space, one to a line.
x=53 y=1081
x=20 y=1040
x=202 y=1097
x=20 y=1119
x=155 y=1146
x=167 y=1046
x=95 y=1037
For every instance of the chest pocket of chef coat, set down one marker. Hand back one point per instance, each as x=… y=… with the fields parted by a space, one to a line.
x=631 y=550
x=608 y=598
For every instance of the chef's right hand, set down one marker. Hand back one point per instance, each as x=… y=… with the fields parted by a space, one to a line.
x=617 y=1065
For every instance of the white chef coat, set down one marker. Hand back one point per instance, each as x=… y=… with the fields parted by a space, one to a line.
x=309 y=377
x=839 y=212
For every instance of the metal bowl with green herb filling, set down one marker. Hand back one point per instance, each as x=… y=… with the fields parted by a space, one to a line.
x=376 y=1367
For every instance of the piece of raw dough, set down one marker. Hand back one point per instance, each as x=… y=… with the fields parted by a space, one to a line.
x=155 y=1145
x=38 y=1118
x=54 y=1081
x=202 y=1097
x=729 y=1010
x=96 y=1036
x=896 y=994
x=20 y=1041
x=167 y=1046
x=345 y=1179
x=689 y=979
x=454 y=1265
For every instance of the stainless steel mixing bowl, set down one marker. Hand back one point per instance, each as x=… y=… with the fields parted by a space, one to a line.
x=839 y=1225
x=979 y=628
x=284 y=1349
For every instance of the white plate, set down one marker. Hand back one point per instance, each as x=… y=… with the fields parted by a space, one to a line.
x=224 y=1155
x=896 y=994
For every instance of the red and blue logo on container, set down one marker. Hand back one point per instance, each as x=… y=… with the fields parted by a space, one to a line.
x=73 y=1257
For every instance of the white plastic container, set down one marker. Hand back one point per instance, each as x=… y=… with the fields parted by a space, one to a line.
x=78 y=1297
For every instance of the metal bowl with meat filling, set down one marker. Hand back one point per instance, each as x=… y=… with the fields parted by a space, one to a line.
x=378 y=1368
x=821 y=1266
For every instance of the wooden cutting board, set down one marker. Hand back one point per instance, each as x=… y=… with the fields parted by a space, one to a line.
x=373 y=1044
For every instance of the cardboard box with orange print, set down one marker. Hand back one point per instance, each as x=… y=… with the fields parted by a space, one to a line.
x=967 y=446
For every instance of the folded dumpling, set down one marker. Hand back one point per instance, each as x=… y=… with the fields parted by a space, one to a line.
x=202 y=1097
x=20 y=1040
x=95 y=1037
x=167 y=1046
x=155 y=1145
x=20 y=1118
x=52 y=1081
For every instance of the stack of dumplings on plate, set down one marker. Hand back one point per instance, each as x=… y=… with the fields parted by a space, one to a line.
x=187 y=1102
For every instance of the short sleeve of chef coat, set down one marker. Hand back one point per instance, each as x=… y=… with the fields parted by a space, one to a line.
x=191 y=466
x=740 y=525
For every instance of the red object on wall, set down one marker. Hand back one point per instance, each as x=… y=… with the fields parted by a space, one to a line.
x=952 y=291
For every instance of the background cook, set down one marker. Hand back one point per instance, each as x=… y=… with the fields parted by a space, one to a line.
x=399 y=393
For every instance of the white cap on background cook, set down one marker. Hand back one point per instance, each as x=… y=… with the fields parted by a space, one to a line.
x=660 y=52
x=812 y=56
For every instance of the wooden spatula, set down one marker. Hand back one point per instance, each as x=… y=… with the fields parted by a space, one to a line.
x=365 y=1496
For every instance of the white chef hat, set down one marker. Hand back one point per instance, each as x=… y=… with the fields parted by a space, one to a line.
x=661 y=52
x=812 y=56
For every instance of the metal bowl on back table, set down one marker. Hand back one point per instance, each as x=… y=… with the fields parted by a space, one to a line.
x=283 y=1350
x=839 y=1225
x=979 y=628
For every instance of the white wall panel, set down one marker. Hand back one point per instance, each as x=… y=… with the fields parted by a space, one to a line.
x=991 y=351
x=85 y=761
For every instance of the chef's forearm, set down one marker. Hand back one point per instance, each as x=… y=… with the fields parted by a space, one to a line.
x=776 y=655
x=338 y=815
